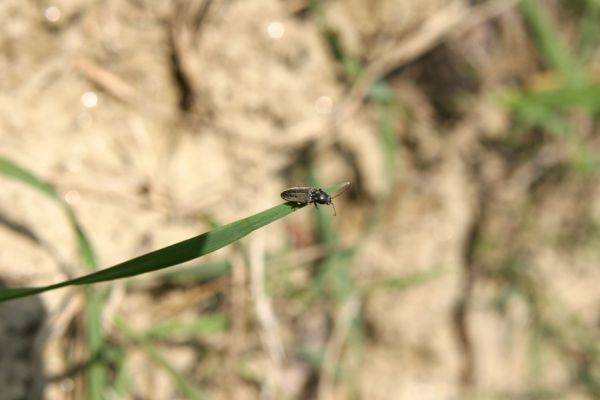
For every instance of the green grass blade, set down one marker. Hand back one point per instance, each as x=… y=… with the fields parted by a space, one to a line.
x=585 y=97
x=552 y=46
x=333 y=276
x=405 y=282
x=171 y=255
x=85 y=249
x=196 y=274
x=589 y=28
x=122 y=377
x=202 y=325
x=14 y=171
x=187 y=389
x=387 y=109
x=96 y=372
x=546 y=109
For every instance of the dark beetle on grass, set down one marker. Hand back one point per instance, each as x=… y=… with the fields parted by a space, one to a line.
x=307 y=195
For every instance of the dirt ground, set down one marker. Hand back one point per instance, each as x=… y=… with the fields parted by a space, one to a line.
x=474 y=267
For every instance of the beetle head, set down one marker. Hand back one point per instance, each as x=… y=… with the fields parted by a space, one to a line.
x=322 y=198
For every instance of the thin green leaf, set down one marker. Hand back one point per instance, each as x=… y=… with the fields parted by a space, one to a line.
x=387 y=133
x=551 y=44
x=174 y=254
x=198 y=273
x=405 y=282
x=589 y=28
x=96 y=372
x=14 y=171
x=586 y=97
x=117 y=357
x=184 y=386
x=200 y=326
x=334 y=276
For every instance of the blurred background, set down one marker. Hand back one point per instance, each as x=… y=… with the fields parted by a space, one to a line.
x=463 y=262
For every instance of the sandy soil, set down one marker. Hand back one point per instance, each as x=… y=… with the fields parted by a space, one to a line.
x=148 y=116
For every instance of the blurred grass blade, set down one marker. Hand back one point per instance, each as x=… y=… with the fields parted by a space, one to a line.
x=200 y=326
x=96 y=372
x=551 y=44
x=122 y=380
x=546 y=108
x=85 y=249
x=325 y=231
x=405 y=282
x=333 y=277
x=387 y=111
x=186 y=388
x=589 y=28
x=585 y=97
x=14 y=171
x=171 y=255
